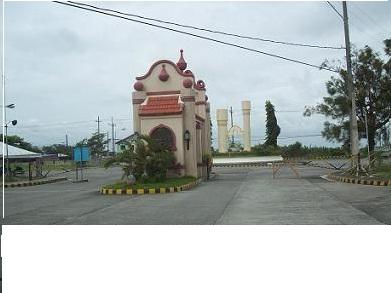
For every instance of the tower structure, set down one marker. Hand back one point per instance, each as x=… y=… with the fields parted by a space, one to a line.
x=222 y=120
x=246 y=107
x=245 y=131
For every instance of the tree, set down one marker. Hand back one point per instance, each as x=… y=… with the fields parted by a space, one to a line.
x=57 y=149
x=372 y=91
x=19 y=142
x=272 y=128
x=97 y=143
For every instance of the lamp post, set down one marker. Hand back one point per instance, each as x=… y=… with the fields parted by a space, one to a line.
x=13 y=122
x=9 y=106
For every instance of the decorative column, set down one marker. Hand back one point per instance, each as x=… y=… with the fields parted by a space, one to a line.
x=246 y=107
x=208 y=140
x=222 y=119
x=199 y=148
x=190 y=125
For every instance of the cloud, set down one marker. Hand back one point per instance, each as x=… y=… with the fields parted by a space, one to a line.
x=67 y=65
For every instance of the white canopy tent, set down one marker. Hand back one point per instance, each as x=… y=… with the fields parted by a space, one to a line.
x=15 y=153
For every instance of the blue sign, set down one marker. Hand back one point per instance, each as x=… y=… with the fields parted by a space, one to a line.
x=81 y=154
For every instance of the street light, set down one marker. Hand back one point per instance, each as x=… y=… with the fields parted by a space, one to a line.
x=13 y=122
x=11 y=106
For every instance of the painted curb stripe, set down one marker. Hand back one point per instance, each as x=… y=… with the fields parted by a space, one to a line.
x=361 y=181
x=110 y=191
x=24 y=184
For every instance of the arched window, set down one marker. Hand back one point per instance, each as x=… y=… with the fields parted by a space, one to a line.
x=164 y=135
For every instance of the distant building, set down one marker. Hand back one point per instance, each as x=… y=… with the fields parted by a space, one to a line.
x=124 y=142
x=171 y=106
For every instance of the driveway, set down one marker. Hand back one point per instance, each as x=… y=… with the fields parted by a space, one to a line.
x=235 y=196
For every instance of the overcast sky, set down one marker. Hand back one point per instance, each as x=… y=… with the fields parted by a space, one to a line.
x=65 y=66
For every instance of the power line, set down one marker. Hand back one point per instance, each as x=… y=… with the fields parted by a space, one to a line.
x=335 y=9
x=370 y=18
x=203 y=37
x=210 y=30
x=66 y=124
x=359 y=27
x=362 y=28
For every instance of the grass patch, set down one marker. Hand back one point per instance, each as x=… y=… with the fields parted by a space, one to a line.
x=169 y=182
x=383 y=171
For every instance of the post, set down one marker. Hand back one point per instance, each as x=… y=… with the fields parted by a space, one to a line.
x=6 y=147
x=353 y=119
x=112 y=134
x=366 y=131
x=81 y=163
x=108 y=142
x=98 y=121
x=232 y=125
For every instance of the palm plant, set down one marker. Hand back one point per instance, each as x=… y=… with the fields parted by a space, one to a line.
x=144 y=159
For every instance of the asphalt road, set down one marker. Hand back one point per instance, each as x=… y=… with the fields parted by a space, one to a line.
x=234 y=196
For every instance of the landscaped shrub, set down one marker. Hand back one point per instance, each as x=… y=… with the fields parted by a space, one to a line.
x=145 y=159
x=157 y=165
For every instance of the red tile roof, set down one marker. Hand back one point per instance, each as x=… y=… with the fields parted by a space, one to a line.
x=161 y=105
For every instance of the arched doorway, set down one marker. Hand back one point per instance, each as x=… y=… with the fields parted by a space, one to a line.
x=164 y=136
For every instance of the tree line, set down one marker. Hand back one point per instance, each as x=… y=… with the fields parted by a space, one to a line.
x=372 y=92
x=96 y=143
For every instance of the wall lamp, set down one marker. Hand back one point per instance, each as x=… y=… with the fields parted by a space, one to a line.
x=186 y=138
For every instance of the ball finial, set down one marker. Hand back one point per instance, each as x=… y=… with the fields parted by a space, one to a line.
x=181 y=62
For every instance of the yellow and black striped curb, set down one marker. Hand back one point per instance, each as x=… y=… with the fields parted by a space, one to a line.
x=35 y=182
x=365 y=181
x=141 y=191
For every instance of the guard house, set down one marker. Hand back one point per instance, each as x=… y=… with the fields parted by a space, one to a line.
x=171 y=106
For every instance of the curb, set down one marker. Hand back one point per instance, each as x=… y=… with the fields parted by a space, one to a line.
x=376 y=182
x=141 y=191
x=37 y=182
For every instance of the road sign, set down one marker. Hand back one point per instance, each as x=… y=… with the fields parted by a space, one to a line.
x=81 y=154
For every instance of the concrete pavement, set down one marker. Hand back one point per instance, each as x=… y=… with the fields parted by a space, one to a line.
x=235 y=196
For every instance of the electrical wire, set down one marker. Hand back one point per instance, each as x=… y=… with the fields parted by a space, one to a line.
x=335 y=9
x=371 y=19
x=209 y=30
x=202 y=37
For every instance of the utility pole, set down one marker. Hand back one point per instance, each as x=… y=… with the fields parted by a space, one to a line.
x=98 y=121
x=366 y=132
x=351 y=97
x=66 y=140
x=112 y=134
x=108 y=142
x=232 y=125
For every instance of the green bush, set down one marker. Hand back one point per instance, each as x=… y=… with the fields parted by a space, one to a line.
x=145 y=159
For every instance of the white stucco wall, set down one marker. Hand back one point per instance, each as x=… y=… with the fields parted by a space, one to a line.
x=174 y=122
x=175 y=81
